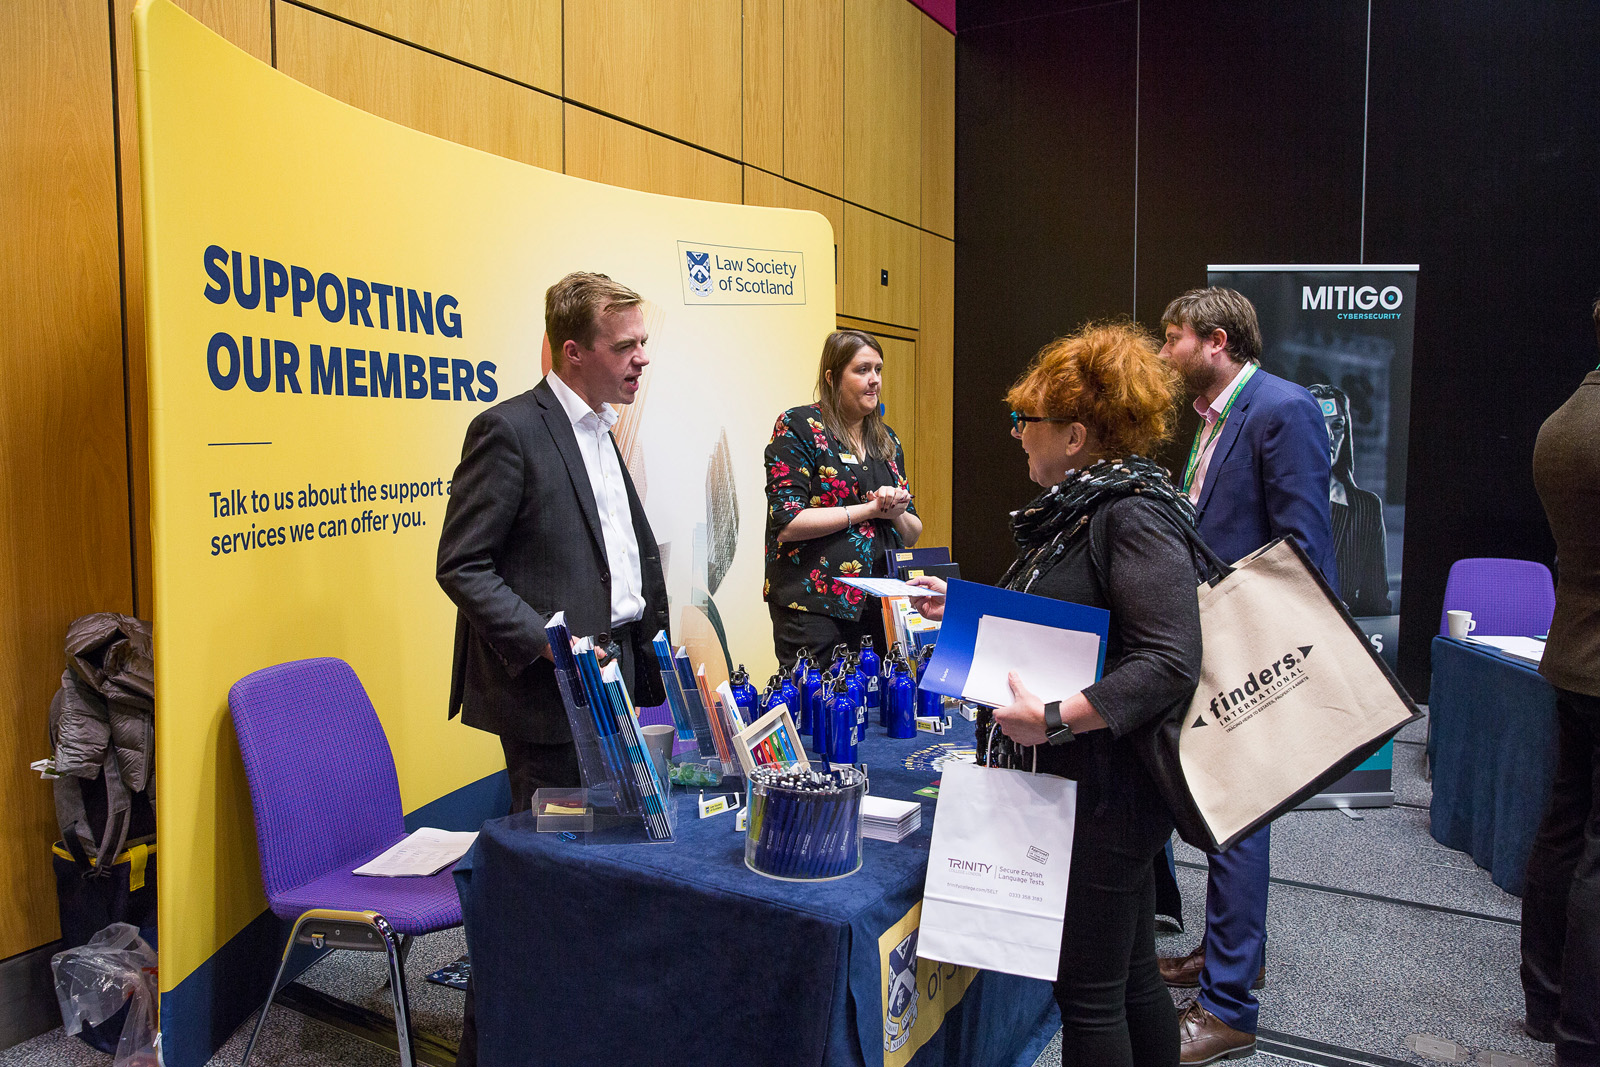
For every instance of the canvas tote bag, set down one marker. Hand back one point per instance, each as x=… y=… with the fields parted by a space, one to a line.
x=1291 y=698
x=996 y=889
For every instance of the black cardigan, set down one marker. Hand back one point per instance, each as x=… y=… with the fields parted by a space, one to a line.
x=1152 y=651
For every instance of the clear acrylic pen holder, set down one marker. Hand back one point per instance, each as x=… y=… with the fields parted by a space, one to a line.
x=805 y=825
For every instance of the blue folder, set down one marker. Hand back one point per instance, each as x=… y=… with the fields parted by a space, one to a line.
x=967 y=602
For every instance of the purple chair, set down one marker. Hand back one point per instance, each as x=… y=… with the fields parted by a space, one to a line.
x=326 y=799
x=1507 y=597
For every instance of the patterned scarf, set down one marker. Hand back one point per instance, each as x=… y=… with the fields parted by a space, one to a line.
x=1044 y=527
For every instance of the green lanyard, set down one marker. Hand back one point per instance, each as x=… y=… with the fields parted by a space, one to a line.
x=1199 y=446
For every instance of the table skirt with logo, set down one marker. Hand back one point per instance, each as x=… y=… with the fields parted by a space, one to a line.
x=656 y=954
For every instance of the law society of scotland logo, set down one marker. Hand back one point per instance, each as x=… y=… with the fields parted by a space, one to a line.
x=729 y=274
x=699 y=272
x=900 y=1007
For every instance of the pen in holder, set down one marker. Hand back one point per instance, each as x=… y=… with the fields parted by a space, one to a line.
x=804 y=825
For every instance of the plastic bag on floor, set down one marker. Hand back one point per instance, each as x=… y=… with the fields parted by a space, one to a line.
x=93 y=982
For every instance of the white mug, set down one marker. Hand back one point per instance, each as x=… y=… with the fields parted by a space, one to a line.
x=1461 y=624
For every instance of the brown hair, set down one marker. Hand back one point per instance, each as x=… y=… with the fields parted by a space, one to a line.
x=1109 y=376
x=573 y=306
x=1208 y=310
x=838 y=350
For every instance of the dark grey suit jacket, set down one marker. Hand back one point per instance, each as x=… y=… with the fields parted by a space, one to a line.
x=521 y=541
x=1566 y=471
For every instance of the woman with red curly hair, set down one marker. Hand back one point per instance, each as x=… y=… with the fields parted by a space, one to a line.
x=1108 y=531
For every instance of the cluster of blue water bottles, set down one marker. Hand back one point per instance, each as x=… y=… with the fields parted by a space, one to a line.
x=837 y=701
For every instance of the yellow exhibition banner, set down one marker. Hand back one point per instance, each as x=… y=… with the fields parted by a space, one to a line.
x=331 y=299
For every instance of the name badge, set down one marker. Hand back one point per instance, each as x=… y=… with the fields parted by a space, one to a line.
x=848 y=457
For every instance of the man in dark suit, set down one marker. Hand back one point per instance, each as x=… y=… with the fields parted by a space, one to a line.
x=1258 y=470
x=542 y=518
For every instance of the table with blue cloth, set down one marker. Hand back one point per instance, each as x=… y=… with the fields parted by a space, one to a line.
x=1492 y=748
x=676 y=953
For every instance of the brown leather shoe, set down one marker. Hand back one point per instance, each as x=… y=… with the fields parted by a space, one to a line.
x=1207 y=1039
x=1183 y=972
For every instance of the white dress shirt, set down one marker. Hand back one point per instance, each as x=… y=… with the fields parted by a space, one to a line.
x=593 y=430
x=1211 y=413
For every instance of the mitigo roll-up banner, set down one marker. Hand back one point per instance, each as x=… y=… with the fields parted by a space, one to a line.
x=1345 y=333
x=332 y=298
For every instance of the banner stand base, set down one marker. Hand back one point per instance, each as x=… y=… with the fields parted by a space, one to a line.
x=1323 y=801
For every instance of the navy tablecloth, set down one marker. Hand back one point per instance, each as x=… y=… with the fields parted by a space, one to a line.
x=1492 y=747
x=675 y=953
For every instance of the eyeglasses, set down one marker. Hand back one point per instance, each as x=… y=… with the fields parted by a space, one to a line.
x=1019 y=420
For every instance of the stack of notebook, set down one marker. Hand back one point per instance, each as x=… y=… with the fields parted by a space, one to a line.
x=883 y=819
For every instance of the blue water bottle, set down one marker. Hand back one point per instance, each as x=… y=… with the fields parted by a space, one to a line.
x=901 y=700
x=928 y=704
x=789 y=696
x=841 y=654
x=810 y=697
x=745 y=695
x=857 y=683
x=842 y=712
x=871 y=675
x=772 y=695
x=802 y=716
x=819 y=714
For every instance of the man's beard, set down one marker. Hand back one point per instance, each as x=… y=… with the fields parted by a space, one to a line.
x=1196 y=378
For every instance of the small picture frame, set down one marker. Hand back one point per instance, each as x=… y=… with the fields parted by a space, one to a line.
x=771 y=739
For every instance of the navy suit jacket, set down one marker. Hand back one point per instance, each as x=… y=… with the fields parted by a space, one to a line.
x=1268 y=477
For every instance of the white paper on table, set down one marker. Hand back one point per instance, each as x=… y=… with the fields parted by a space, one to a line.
x=426 y=852
x=1054 y=663
x=888 y=587
x=1528 y=648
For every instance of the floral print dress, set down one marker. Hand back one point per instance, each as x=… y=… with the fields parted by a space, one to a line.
x=807 y=467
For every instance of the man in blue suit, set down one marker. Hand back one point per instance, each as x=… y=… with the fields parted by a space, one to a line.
x=1257 y=470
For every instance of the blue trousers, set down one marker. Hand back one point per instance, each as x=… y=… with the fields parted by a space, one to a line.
x=1236 y=929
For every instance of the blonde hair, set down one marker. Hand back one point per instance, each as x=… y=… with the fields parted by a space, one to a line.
x=1109 y=376
x=573 y=306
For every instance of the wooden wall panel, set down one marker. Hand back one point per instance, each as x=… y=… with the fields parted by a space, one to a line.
x=417 y=89
x=938 y=129
x=899 y=396
x=248 y=24
x=758 y=80
x=882 y=101
x=63 y=446
x=872 y=245
x=673 y=67
x=605 y=150
x=936 y=387
x=518 y=38
x=769 y=190
x=813 y=93
x=763 y=84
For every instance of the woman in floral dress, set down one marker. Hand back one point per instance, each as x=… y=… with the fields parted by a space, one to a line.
x=837 y=502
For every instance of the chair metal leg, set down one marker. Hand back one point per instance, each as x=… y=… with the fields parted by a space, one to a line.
x=363 y=931
x=277 y=979
x=398 y=948
x=406 y=941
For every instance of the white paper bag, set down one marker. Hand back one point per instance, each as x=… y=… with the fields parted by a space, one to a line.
x=996 y=890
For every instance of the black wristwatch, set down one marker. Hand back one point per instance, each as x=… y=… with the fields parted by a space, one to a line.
x=1055 y=731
